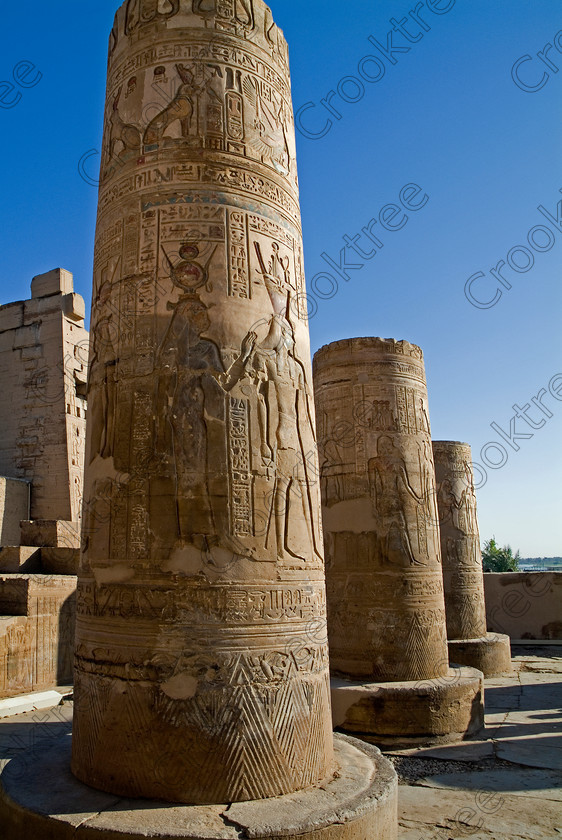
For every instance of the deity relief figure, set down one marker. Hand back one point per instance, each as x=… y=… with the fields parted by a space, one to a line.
x=395 y=503
x=278 y=372
x=195 y=81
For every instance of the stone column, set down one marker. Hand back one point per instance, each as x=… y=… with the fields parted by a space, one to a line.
x=202 y=661
x=386 y=617
x=469 y=643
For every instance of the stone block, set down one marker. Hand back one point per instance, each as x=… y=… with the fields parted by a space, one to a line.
x=490 y=654
x=74 y=307
x=399 y=715
x=14 y=506
x=11 y=316
x=60 y=561
x=51 y=533
x=52 y=282
x=29 y=702
x=20 y=558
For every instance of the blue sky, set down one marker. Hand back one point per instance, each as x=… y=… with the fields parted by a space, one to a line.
x=447 y=116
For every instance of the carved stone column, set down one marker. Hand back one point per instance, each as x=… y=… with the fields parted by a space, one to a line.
x=469 y=643
x=386 y=617
x=202 y=659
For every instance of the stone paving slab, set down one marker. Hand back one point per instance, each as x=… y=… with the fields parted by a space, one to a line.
x=11 y=706
x=468 y=751
x=514 y=781
x=533 y=752
x=457 y=815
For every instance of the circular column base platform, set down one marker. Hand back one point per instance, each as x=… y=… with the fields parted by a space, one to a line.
x=400 y=715
x=490 y=654
x=41 y=799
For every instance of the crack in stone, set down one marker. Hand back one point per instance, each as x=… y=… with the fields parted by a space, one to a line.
x=241 y=829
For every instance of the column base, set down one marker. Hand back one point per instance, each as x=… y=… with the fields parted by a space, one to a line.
x=40 y=798
x=490 y=654
x=399 y=715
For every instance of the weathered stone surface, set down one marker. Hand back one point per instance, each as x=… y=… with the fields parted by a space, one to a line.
x=407 y=714
x=460 y=541
x=43 y=362
x=55 y=282
x=14 y=506
x=51 y=533
x=515 y=781
x=202 y=659
x=491 y=654
x=463 y=580
x=525 y=605
x=456 y=815
x=40 y=798
x=20 y=558
x=384 y=578
x=60 y=561
x=37 y=614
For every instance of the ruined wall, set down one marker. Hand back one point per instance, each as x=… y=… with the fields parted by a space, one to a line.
x=525 y=605
x=43 y=366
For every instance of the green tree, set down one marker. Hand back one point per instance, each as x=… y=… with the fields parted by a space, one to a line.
x=496 y=559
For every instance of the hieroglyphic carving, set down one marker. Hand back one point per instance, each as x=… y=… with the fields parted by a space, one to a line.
x=240 y=604
x=140 y=12
x=202 y=530
x=239 y=283
x=385 y=590
x=241 y=502
x=460 y=541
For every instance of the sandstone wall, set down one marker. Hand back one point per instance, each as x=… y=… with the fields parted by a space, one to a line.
x=525 y=605
x=37 y=616
x=14 y=507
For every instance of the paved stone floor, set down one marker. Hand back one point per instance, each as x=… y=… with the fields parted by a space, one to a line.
x=505 y=786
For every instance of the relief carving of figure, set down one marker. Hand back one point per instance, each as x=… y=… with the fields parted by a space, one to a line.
x=192 y=386
x=266 y=128
x=331 y=473
x=124 y=138
x=102 y=374
x=449 y=504
x=195 y=81
x=280 y=375
x=395 y=503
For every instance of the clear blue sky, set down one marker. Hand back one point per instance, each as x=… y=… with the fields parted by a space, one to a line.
x=446 y=115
